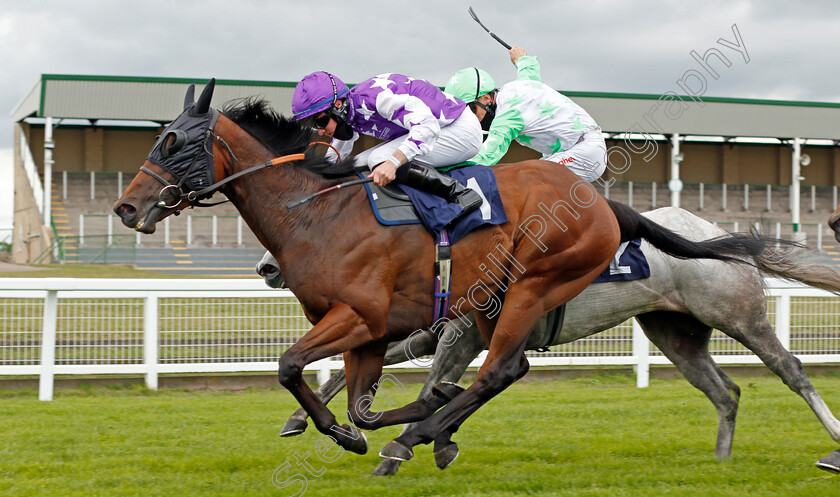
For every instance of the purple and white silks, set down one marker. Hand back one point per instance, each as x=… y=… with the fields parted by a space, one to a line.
x=389 y=106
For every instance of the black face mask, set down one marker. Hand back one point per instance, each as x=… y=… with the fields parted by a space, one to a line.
x=343 y=131
x=490 y=113
x=488 y=117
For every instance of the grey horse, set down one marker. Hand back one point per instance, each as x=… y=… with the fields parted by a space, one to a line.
x=677 y=307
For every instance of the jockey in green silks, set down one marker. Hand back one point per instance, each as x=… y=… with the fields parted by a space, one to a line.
x=532 y=113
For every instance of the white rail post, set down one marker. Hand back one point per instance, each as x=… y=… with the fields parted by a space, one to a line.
x=150 y=340
x=795 y=179
x=778 y=233
x=813 y=198
x=675 y=184
x=93 y=185
x=166 y=231
x=215 y=229
x=834 y=196
x=819 y=238
x=324 y=372
x=64 y=185
x=746 y=197
x=724 y=197
x=189 y=230
x=81 y=229
x=700 y=207
x=47 y=376
x=653 y=195
x=607 y=191
x=49 y=145
x=119 y=184
x=641 y=351
x=769 y=196
x=239 y=230
x=630 y=193
x=110 y=229
x=783 y=319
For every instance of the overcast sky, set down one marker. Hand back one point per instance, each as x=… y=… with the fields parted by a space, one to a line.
x=597 y=45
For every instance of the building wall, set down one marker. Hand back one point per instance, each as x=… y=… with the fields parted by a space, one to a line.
x=31 y=238
x=95 y=149
x=103 y=149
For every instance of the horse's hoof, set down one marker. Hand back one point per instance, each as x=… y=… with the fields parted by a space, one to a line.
x=388 y=467
x=396 y=451
x=830 y=462
x=294 y=426
x=357 y=445
x=447 y=390
x=446 y=456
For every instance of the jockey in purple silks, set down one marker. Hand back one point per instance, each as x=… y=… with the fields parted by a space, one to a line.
x=423 y=129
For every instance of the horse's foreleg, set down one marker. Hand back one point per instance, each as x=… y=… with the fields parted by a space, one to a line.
x=296 y=424
x=455 y=351
x=452 y=357
x=504 y=364
x=685 y=342
x=421 y=344
x=339 y=330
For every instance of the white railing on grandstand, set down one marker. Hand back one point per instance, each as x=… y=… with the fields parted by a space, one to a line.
x=111 y=219
x=759 y=195
x=52 y=326
x=31 y=172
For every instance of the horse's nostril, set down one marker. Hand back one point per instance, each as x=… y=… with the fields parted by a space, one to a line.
x=268 y=271
x=125 y=210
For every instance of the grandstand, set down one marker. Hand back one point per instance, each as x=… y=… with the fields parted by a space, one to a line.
x=79 y=141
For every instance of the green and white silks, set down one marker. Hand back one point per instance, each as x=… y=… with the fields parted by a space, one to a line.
x=541 y=118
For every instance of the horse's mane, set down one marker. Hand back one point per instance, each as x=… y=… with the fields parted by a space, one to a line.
x=281 y=135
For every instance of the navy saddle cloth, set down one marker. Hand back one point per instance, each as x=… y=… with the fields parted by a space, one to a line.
x=398 y=204
x=628 y=264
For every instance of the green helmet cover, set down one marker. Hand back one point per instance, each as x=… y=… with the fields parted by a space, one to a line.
x=469 y=84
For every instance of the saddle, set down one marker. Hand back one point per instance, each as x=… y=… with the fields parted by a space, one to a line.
x=391 y=205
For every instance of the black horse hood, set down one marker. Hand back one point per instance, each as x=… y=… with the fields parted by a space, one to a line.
x=184 y=149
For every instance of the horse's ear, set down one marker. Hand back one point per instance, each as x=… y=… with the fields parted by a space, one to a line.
x=189 y=98
x=203 y=104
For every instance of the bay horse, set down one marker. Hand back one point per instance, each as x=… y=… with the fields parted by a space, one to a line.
x=677 y=307
x=363 y=285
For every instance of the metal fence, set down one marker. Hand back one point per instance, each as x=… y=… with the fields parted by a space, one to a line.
x=52 y=326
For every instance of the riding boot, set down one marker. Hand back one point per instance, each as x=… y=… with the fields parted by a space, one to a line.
x=432 y=181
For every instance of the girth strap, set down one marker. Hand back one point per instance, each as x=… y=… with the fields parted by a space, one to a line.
x=554 y=323
x=443 y=273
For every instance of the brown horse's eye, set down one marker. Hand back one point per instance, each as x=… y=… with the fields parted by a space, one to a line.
x=173 y=142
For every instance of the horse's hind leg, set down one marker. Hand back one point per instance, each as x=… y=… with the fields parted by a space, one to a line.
x=763 y=342
x=685 y=341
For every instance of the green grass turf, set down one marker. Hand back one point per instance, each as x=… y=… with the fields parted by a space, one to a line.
x=596 y=436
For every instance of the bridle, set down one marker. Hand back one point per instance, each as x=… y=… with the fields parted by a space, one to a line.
x=194 y=197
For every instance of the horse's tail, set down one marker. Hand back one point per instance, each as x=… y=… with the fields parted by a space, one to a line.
x=743 y=248
x=799 y=264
